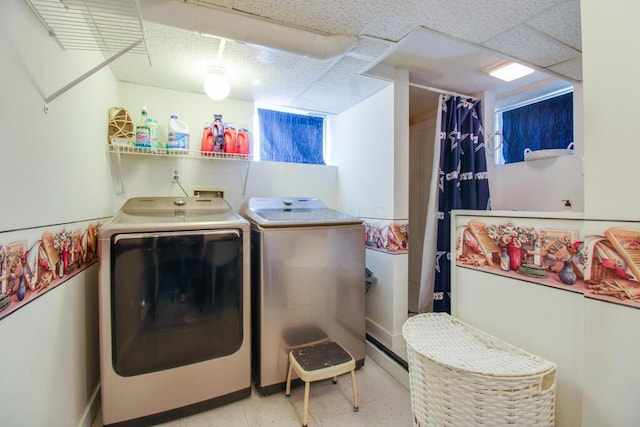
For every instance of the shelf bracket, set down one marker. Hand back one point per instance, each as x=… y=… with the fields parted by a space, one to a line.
x=89 y=73
x=116 y=174
x=246 y=176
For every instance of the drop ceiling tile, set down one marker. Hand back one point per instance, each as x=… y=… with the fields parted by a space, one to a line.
x=326 y=98
x=270 y=76
x=340 y=88
x=526 y=44
x=562 y=23
x=474 y=21
x=180 y=59
x=395 y=22
x=428 y=49
x=371 y=48
x=217 y=3
x=184 y=53
x=571 y=68
x=333 y=17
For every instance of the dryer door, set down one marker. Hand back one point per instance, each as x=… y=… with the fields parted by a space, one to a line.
x=176 y=298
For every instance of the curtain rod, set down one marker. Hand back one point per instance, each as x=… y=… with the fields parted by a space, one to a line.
x=442 y=91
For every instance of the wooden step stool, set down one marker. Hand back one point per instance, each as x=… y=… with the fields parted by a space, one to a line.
x=319 y=362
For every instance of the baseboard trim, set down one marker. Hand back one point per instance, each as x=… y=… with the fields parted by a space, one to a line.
x=388 y=352
x=92 y=409
x=391 y=366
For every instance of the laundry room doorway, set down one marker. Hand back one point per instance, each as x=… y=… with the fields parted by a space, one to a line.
x=421 y=148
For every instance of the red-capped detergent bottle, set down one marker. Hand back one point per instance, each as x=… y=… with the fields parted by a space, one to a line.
x=242 y=138
x=230 y=141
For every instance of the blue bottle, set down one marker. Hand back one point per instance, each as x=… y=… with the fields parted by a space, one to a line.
x=504 y=260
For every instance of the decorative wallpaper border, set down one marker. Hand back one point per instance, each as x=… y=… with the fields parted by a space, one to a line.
x=387 y=236
x=34 y=261
x=601 y=264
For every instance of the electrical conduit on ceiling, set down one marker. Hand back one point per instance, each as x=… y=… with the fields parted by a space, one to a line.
x=242 y=28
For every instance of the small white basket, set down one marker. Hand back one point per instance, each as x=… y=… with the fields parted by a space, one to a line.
x=460 y=376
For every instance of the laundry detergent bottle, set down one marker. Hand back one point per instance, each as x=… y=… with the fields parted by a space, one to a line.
x=244 y=145
x=178 y=138
x=153 y=133
x=143 y=133
x=230 y=139
x=218 y=134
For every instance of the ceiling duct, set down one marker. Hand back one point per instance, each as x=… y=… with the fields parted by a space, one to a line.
x=247 y=29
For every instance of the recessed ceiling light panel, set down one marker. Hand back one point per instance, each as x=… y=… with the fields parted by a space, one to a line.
x=508 y=71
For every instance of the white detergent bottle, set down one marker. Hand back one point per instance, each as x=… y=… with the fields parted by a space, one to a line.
x=178 y=134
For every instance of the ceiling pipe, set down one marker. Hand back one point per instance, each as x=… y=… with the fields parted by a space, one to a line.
x=247 y=29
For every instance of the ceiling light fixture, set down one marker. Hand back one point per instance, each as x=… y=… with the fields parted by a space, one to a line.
x=216 y=84
x=509 y=71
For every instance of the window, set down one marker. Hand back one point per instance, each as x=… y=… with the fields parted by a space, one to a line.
x=540 y=124
x=292 y=138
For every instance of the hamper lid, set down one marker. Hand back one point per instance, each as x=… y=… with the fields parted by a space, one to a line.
x=447 y=341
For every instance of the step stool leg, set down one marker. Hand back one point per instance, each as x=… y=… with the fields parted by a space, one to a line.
x=287 y=391
x=306 y=403
x=355 y=391
x=335 y=380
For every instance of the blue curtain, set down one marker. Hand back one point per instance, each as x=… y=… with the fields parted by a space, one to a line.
x=543 y=125
x=292 y=138
x=462 y=183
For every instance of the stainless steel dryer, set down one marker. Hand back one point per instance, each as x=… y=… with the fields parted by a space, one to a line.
x=307 y=280
x=174 y=309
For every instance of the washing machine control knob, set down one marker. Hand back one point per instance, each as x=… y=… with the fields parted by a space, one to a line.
x=287 y=202
x=179 y=202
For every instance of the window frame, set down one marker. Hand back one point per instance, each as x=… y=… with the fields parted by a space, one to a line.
x=498 y=124
x=300 y=112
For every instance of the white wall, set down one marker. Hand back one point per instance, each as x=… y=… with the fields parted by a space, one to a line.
x=541 y=185
x=151 y=175
x=611 y=345
x=611 y=87
x=610 y=69
x=401 y=147
x=362 y=150
x=193 y=108
x=53 y=163
x=54 y=172
x=372 y=158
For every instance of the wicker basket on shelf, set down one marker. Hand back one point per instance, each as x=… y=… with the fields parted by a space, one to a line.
x=121 y=130
x=460 y=376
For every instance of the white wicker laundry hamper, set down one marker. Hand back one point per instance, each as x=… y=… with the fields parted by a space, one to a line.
x=460 y=376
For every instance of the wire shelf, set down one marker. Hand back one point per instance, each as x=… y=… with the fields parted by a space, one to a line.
x=174 y=153
x=113 y=27
x=108 y=26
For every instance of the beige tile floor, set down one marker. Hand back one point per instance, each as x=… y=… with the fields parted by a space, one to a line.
x=383 y=402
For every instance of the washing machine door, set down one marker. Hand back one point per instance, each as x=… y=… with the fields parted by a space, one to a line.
x=176 y=298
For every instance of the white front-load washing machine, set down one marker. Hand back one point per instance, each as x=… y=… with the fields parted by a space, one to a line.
x=174 y=309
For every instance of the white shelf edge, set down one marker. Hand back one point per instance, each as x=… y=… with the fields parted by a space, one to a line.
x=162 y=152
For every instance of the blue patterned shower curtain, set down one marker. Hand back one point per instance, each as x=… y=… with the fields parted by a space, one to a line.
x=462 y=181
